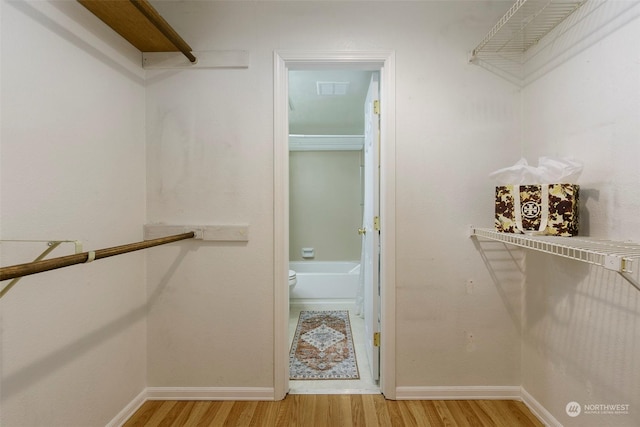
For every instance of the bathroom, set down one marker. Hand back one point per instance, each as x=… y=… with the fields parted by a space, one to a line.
x=326 y=200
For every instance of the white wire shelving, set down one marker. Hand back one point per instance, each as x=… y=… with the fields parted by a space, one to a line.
x=617 y=256
x=520 y=28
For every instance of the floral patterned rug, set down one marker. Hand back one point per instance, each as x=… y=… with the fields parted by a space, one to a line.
x=322 y=347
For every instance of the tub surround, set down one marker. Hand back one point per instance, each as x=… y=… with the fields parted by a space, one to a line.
x=326 y=281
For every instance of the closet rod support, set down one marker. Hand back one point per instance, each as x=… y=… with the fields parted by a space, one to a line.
x=76 y=243
x=630 y=279
x=27 y=269
x=52 y=246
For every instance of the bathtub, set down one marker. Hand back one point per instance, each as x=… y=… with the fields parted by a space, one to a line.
x=325 y=280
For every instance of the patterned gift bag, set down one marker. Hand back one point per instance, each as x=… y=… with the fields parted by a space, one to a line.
x=540 y=209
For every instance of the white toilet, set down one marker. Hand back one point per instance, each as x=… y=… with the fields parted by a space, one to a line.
x=292 y=280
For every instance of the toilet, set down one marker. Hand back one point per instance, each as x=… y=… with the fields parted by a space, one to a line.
x=292 y=280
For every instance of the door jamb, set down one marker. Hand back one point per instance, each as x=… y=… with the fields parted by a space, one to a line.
x=300 y=60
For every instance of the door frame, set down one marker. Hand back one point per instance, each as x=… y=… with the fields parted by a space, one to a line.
x=384 y=61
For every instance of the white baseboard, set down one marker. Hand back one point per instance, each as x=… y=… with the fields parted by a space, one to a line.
x=402 y=393
x=458 y=392
x=539 y=411
x=479 y=392
x=191 y=393
x=210 y=393
x=128 y=410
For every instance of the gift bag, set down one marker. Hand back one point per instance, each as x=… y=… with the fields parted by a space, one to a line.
x=528 y=201
x=538 y=209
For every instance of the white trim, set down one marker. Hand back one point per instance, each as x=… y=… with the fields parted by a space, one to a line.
x=204 y=59
x=210 y=393
x=212 y=233
x=190 y=393
x=459 y=392
x=268 y=394
x=377 y=60
x=326 y=142
x=281 y=228
x=128 y=410
x=479 y=392
x=337 y=391
x=538 y=410
x=388 y=226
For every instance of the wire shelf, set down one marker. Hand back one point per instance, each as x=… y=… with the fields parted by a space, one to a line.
x=616 y=256
x=521 y=27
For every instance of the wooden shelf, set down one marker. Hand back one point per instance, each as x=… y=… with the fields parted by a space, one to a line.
x=140 y=24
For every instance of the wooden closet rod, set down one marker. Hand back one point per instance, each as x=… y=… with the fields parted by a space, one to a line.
x=163 y=26
x=29 y=268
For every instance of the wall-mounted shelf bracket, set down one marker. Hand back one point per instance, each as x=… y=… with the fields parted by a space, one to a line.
x=52 y=244
x=521 y=27
x=206 y=59
x=621 y=257
x=41 y=265
x=214 y=233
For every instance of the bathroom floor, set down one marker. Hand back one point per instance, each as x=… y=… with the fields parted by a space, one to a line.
x=365 y=385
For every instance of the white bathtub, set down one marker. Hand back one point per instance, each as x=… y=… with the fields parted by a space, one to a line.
x=325 y=279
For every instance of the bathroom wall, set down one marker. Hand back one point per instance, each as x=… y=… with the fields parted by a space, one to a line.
x=582 y=323
x=210 y=159
x=325 y=204
x=72 y=167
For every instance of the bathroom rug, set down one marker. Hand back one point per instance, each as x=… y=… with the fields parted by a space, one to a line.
x=322 y=347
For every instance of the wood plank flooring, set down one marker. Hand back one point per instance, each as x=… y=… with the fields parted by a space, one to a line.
x=332 y=410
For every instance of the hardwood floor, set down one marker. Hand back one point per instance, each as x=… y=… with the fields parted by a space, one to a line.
x=331 y=410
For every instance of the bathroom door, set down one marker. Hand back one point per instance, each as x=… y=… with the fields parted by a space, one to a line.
x=371 y=236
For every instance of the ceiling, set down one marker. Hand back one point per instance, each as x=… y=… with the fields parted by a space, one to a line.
x=329 y=114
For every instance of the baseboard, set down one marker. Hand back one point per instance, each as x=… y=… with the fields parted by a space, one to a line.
x=538 y=410
x=128 y=410
x=210 y=393
x=479 y=392
x=458 y=392
x=402 y=393
x=191 y=393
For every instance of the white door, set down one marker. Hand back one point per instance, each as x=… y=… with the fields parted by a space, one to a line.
x=369 y=230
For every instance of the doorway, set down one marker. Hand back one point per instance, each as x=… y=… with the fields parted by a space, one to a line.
x=333 y=245
x=382 y=63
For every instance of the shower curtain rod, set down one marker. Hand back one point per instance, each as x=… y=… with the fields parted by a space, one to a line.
x=29 y=268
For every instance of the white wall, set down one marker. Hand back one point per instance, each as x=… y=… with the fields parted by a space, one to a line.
x=73 y=106
x=581 y=323
x=210 y=151
x=325 y=204
x=73 y=340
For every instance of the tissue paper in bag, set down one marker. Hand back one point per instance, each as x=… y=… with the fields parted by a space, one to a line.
x=533 y=205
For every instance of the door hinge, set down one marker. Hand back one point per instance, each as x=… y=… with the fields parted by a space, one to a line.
x=376 y=339
x=376 y=107
x=376 y=223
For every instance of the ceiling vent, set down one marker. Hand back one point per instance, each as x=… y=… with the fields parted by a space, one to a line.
x=332 y=88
